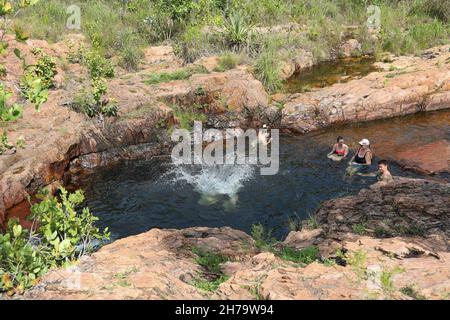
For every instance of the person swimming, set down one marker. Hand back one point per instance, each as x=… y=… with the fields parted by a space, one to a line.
x=362 y=158
x=364 y=155
x=383 y=175
x=339 y=150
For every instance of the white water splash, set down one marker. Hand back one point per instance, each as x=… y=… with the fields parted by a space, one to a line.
x=215 y=183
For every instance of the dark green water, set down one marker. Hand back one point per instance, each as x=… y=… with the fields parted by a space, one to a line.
x=134 y=197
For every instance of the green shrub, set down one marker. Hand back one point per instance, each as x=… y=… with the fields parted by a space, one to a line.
x=37 y=78
x=209 y=260
x=8 y=112
x=267 y=69
x=92 y=102
x=187 y=116
x=228 y=61
x=44 y=69
x=179 y=74
x=237 y=30
x=69 y=234
x=304 y=256
x=263 y=238
x=62 y=235
x=20 y=263
x=99 y=66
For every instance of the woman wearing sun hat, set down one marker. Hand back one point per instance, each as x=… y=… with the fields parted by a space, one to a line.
x=364 y=155
x=362 y=158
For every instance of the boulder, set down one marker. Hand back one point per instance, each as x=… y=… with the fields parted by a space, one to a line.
x=350 y=48
x=405 y=207
x=429 y=158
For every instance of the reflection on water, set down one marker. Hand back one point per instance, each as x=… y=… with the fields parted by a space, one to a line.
x=140 y=195
x=329 y=73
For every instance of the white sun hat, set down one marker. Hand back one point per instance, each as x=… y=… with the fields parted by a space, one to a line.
x=364 y=142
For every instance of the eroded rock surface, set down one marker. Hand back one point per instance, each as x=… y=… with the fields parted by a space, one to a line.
x=409 y=85
x=406 y=207
x=160 y=264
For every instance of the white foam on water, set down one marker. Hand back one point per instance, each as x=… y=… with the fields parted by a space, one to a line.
x=214 y=182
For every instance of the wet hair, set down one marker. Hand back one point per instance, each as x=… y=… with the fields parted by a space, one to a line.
x=339 y=138
x=383 y=162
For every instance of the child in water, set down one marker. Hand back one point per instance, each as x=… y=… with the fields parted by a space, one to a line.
x=384 y=175
x=339 y=150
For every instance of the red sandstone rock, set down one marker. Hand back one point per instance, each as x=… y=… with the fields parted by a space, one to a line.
x=429 y=158
x=415 y=85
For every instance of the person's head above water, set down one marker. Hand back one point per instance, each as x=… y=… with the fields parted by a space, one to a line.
x=383 y=165
x=340 y=140
x=364 y=143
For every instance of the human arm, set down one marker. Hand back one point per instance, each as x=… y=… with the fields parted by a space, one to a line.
x=333 y=150
x=368 y=157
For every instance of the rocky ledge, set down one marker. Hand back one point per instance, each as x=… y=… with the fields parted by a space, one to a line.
x=61 y=143
x=404 y=86
x=409 y=259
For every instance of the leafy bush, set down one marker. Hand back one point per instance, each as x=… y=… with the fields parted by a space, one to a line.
x=33 y=91
x=44 y=69
x=8 y=112
x=20 y=263
x=69 y=234
x=37 y=78
x=61 y=236
x=92 y=102
x=99 y=66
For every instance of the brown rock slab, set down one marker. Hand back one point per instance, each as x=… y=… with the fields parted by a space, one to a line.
x=430 y=158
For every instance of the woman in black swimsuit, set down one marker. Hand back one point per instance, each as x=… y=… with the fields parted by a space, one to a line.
x=362 y=158
x=364 y=154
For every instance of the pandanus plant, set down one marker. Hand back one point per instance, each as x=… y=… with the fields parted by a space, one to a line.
x=237 y=30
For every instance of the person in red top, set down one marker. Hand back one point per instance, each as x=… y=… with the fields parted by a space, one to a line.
x=339 y=150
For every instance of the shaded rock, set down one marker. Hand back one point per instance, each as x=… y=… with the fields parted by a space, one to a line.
x=406 y=207
x=300 y=60
x=304 y=238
